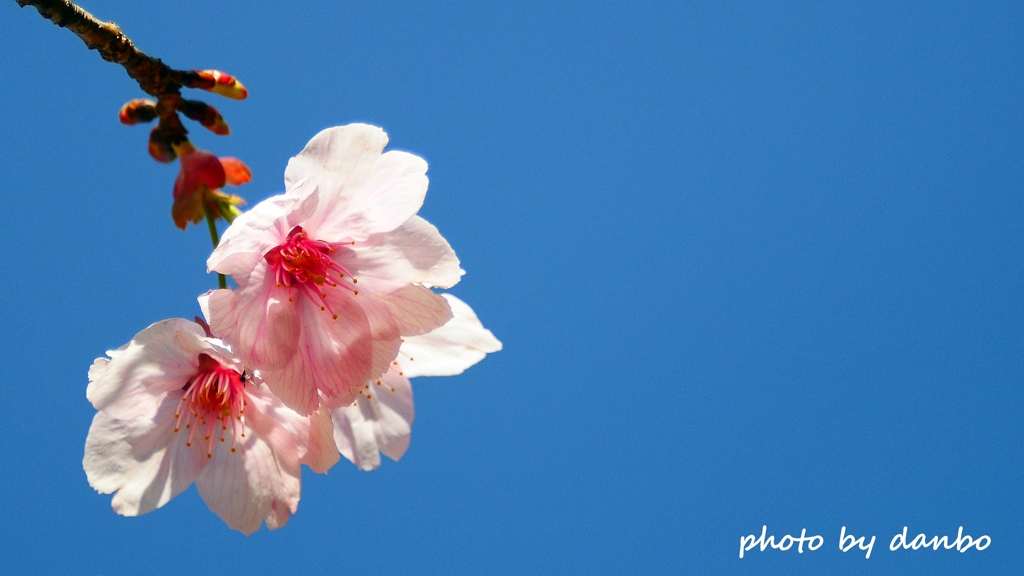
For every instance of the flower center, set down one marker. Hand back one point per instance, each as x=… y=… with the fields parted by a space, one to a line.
x=214 y=398
x=306 y=265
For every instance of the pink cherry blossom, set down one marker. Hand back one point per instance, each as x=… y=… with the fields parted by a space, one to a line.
x=334 y=272
x=380 y=420
x=176 y=407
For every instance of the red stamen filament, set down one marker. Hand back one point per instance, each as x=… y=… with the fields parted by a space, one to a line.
x=306 y=265
x=214 y=397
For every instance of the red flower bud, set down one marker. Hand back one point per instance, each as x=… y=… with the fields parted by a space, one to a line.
x=197 y=188
x=137 y=111
x=160 y=147
x=217 y=82
x=206 y=115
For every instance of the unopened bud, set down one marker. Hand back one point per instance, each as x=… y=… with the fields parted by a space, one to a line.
x=217 y=82
x=137 y=111
x=197 y=189
x=206 y=115
x=160 y=146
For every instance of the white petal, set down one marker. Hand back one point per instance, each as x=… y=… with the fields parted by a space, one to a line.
x=414 y=253
x=158 y=360
x=393 y=194
x=363 y=192
x=337 y=155
x=144 y=460
x=380 y=423
x=450 y=349
x=204 y=305
x=250 y=236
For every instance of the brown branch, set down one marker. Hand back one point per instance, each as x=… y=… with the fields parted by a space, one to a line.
x=154 y=77
x=194 y=194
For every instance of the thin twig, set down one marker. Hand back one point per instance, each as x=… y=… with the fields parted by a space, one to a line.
x=154 y=77
x=211 y=220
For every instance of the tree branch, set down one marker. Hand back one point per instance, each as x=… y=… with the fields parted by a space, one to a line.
x=154 y=77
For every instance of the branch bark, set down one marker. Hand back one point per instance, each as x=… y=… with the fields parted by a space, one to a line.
x=154 y=77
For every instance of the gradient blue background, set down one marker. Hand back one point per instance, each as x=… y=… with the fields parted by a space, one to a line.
x=751 y=264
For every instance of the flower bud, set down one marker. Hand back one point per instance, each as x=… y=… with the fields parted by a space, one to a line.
x=160 y=147
x=206 y=115
x=197 y=188
x=217 y=82
x=137 y=111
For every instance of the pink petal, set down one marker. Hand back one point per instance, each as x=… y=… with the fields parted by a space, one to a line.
x=261 y=482
x=236 y=172
x=450 y=349
x=414 y=253
x=385 y=330
x=321 y=452
x=258 y=320
x=417 y=310
x=333 y=356
x=313 y=434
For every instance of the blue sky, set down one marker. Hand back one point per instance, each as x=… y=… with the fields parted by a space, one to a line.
x=752 y=264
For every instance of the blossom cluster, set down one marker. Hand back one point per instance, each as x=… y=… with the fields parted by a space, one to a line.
x=307 y=359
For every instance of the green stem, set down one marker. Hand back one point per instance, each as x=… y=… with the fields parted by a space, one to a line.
x=212 y=221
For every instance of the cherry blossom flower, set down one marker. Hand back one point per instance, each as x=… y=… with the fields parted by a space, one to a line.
x=175 y=407
x=334 y=272
x=200 y=179
x=380 y=420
